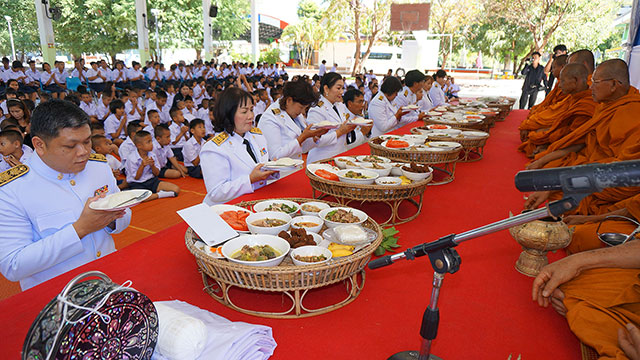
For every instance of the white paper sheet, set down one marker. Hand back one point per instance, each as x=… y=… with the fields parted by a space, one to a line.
x=207 y=224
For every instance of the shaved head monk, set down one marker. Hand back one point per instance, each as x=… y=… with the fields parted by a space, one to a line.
x=532 y=122
x=597 y=291
x=563 y=117
x=584 y=57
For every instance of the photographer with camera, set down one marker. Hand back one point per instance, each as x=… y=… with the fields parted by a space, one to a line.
x=557 y=51
x=534 y=73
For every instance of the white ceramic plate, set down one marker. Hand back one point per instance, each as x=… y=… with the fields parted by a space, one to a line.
x=263 y=205
x=330 y=235
x=411 y=107
x=475 y=134
x=112 y=202
x=283 y=164
x=371 y=176
x=437 y=127
x=372 y=158
x=234 y=245
x=450 y=145
x=358 y=213
x=360 y=121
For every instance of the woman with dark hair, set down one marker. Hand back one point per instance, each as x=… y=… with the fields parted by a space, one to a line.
x=282 y=124
x=384 y=114
x=231 y=162
x=19 y=111
x=329 y=112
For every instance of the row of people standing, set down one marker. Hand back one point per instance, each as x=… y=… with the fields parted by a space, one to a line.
x=232 y=162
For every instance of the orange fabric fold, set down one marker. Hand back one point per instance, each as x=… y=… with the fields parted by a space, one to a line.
x=599 y=302
x=585 y=236
x=558 y=120
x=611 y=134
x=553 y=97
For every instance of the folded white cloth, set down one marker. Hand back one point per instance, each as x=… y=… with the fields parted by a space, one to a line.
x=226 y=340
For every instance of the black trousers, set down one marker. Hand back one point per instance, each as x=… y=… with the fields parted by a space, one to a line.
x=528 y=96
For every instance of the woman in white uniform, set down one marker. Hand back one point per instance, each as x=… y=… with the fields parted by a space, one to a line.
x=232 y=160
x=384 y=114
x=330 y=109
x=283 y=126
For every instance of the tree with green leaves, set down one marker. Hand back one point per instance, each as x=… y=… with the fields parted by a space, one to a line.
x=25 y=28
x=362 y=22
x=310 y=34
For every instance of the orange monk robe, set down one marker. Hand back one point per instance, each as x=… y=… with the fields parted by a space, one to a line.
x=554 y=96
x=585 y=235
x=612 y=134
x=560 y=119
x=599 y=302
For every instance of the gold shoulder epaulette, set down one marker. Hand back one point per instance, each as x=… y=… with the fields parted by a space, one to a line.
x=347 y=116
x=220 y=138
x=276 y=111
x=406 y=92
x=98 y=157
x=256 y=130
x=13 y=173
x=320 y=103
x=380 y=97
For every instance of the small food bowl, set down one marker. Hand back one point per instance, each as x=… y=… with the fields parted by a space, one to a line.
x=271 y=230
x=299 y=223
x=357 y=165
x=361 y=215
x=310 y=250
x=416 y=176
x=341 y=162
x=263 y=205
x=438 y=127
x=317 y=204
x=232 y=246
x=414 y=139
x=396 y=169
x=385 y=171
x=372 y=159
x=388 y=181
x=370 y=175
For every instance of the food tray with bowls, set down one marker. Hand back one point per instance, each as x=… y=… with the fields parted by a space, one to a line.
x=472 y=141
x=442 y=161
x=390 y=194
x=471 y=125
x=296 y=283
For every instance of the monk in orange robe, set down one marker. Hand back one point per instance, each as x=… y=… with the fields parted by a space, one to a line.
x=566 y=115
x=612 y=134
x=598 y=292
x=585 y=226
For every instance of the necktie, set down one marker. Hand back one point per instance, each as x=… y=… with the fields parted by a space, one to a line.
x=249 y=150
x=351 y=135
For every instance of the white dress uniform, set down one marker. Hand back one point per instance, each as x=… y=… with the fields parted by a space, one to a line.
x=329 y=144
x=27 y=152
x=38 y=207
x=360 y=137
x=226 y=165
x=383 y=114
x=406 y=97
x=437 y=95
x=425 y=103
x=281 y=133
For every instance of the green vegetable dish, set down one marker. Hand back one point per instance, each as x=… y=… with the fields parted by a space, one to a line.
x=355 y=175
x=282 y=208
x=255 y=253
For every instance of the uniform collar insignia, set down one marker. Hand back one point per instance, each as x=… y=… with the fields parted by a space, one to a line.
x=276 y=111
x=320 y=103
x=220 y=138
x=98 y=157
x=256 y=130
x=13 y=173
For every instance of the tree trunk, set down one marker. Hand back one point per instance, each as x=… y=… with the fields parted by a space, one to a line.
x=198 y=54
x=113 y=60
x=369 y=46
x=356 y=33
x=445 y=56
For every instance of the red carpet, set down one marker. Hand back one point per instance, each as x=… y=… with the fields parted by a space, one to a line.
x=485 y=308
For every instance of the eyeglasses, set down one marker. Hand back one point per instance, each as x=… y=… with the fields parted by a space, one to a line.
x=601 y=80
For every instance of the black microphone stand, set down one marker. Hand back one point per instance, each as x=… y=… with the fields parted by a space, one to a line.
x=444 y=259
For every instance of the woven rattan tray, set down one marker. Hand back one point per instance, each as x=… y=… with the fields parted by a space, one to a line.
x=392 y=196
x=293 y=282
x=480 y=125
x=472 y=149
x=445 y=160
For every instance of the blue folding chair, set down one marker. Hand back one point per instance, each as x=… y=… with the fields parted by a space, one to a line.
x=73 y=83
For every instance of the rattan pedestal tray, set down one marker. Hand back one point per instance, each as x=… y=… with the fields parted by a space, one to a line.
x=446 y=160
x=392 y=196
x=472 y=149
x=480 y=125
x=293 y=282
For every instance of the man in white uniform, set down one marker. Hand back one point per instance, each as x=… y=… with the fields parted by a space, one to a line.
x=47 y=225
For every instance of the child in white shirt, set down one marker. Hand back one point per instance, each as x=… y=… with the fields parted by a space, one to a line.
x=170 y=168
x=179 y=132
x=191 y=149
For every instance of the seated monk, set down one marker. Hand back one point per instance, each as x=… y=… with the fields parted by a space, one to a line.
x=612 y=134
x=585 y=226
x=563 y=117
x=554 y=96
x=597 y=291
